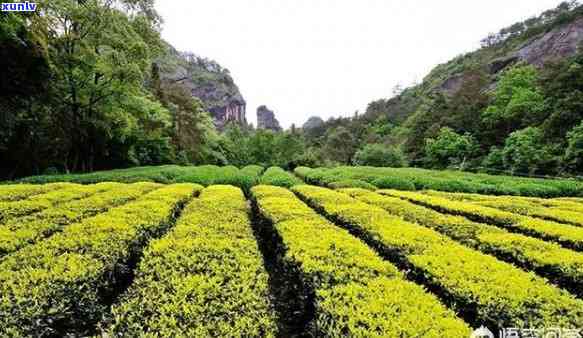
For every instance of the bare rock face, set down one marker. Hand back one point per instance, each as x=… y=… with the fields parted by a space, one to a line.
x=453 y=84
x=234 y=110
x=208 y=81
x=556 y=44
x=499 y=64
x=266 y=119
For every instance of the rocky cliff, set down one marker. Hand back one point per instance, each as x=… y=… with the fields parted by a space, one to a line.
x=559 y=43
x=266 y=119
x=208 y=81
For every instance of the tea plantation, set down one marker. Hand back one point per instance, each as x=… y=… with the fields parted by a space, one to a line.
x=226 y=252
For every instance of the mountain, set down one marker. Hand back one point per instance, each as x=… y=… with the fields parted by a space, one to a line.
x=554 y=35
x=539 y=60
x=266 y=119
x=208 y=81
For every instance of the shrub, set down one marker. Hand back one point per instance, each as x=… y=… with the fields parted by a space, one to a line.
x=454 y=269
x=24 y=231
x=59 y=285
x=550 y=260
x=279 y=177
x=494 y=162
x=567 y=235
x=379 y=155
x=524 y=151
x=356 y=292
x=352 y=184
x=204 y=278
x=13 y=210
x=452 y=181
x=15 y=192
x=302 y=172
x=573 y=158
x=394 y=183
x=449 y=149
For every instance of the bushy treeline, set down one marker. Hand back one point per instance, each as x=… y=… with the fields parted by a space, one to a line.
x=484 y=111
x=531 y=123
x=80 y=91
x=83 y=91
x=467 y=114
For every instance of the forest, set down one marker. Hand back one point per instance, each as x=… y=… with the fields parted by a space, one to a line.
x=81 y=91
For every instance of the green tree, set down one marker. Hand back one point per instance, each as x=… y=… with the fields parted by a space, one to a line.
x=100 y=56
x=193 y=133
x=525 y=151
x=289 y=147
x=26 y=133
x=449 y=148
x=263 y=147
x=562 y=83
x=468 y=102
x=380 y=155
x=494 y=161
x=236 y=144
x=517 y=103
x=340 y=145
x=574 y=154
x=425 y=123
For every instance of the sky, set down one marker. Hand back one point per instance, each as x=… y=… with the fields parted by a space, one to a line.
x=331 y=58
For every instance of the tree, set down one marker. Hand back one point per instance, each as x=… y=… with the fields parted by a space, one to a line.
x=380 y=155
x=100 y=55
x=314 y=128
x=340 y=145
x=517 y=102
x=574 y=154
x=449 y=148
x=425 y=123
x=562 y=84
x=262 y=147
x=289 y=147
x=466 y=105
x=525 y=152
x=494 y=161
x=235 y=142
x=193 y=132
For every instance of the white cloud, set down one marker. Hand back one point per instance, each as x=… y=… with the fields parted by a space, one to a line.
x=332 y=57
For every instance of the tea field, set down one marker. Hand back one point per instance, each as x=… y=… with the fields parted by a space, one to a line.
x=225 y=252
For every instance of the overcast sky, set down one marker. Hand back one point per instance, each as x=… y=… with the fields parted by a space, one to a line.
x=332 y=57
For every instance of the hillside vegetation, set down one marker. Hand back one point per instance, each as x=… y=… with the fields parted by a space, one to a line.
x=92 y=86
x=512 y=106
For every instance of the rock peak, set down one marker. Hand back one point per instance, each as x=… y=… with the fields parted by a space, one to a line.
x=207 y=81
x=266 y=119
